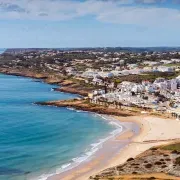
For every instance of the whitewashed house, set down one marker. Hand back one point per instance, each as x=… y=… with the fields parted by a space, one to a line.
x=174 y=84
x=97 y=81
x=106 y=74
x=90 y=74
x=165 y=69
x=98 y=92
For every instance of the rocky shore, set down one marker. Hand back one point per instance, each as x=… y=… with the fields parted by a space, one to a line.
x=24 y=73
x=66 y=85
x=72 y=90
x=84 y=105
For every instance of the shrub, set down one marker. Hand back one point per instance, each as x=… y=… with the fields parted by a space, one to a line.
x=177 y=161
x=165 y=155
x=148 y=165
x=175 y=146
x=164 y=166
x=130 y=159
x=158 y=163
x=168 y=159
x=174 y=152
x=120 y=169
x=134 y=164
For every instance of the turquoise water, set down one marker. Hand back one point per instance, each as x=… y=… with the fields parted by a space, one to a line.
x=37 y=140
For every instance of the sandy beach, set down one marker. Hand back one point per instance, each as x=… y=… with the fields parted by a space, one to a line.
x=154 y=131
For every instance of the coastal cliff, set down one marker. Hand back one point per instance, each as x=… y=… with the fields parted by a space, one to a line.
x=84 y=105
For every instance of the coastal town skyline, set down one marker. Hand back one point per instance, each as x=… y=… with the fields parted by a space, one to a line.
x=89 y=23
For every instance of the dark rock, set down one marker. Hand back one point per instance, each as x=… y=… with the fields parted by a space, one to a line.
x=174 y=152
x=130 y=159
x=163 y=166
x=167 y=159
x=148 y=166
x=165 y=155
x=158 y=163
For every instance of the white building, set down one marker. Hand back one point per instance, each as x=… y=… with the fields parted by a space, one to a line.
x=90 y=74
x=106 y=74
x=98 y=92
x=121 y=62
x=166 y=61
x=97 y=81
x=174 y=85
x=162 y=85
x=150 y=89
x=150 y=63
x=164 y=69
x=175 y=60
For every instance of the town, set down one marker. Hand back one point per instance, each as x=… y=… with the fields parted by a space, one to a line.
x=144 y=79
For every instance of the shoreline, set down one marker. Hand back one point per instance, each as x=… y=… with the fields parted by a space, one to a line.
x=117 y=140
x=46 y=78
x=120 y=136
x=139 y=144
x=148 y=137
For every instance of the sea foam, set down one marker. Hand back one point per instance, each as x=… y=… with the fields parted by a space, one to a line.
x=95 y=147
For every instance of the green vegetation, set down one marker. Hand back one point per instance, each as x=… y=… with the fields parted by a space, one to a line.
x=171 y=65
x=173 y=147
x=148 y=76
x=177 y=160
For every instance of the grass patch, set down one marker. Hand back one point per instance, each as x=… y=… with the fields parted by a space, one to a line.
x=173 y=64
x=172 y=147
x=177 y=161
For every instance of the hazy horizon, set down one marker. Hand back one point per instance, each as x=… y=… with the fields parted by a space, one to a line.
x=90 y=47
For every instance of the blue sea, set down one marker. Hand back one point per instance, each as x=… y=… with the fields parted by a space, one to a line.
x=2 y=50
x=36 y=141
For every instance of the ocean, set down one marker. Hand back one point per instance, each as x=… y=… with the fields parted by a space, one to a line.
x=39 y=141
x=2 y=50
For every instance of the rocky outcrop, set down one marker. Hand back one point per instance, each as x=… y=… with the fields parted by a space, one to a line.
x=72 y=90
x=152 y=161
x=81 y=104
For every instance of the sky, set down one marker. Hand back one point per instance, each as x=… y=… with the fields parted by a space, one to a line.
x=89 y=23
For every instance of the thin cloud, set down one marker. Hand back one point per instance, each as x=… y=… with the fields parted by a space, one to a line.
x=150 y=1
x=12 y=8
x=109 y=11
